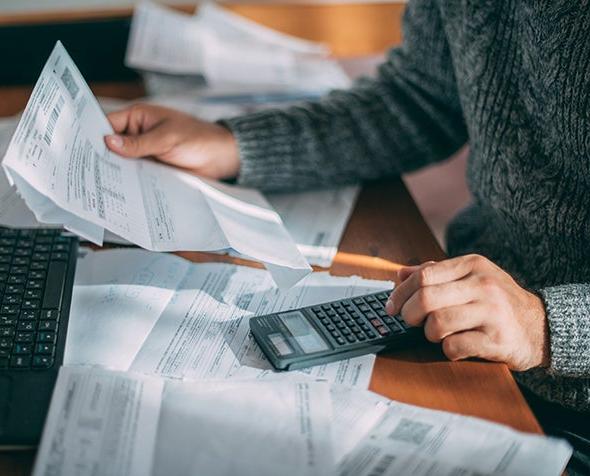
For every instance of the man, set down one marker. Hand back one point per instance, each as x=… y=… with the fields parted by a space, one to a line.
x=511 y=78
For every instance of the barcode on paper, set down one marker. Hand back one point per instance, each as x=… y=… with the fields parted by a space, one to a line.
x=53 y=117
x=69 y=83
x=410 y=431
x=382 y=466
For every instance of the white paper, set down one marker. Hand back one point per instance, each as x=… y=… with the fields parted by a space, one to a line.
x=355 y=413
x=61 y=167
x=316 y=219
x=228 y=50
x=417 y=441
x=204 y=331
x=100 y=423
x=250 y=428
x=118 y=296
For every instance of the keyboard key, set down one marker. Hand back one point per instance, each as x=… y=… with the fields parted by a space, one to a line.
x=42 y=361
x=19 y=270
x=50 y=314
x=27 y=326
x=24 y=337
x=12 y=299
x=44 y=349
x=9 y=309
x=5 y=343
x=16 y=279
x=47 y=326
x=33 y=294
x=22 y=349
x=59 y=256
x=20 y=361
x=7 y=321
x=46 y=336
x=31 y=304
x=29 y=315
x=14 y=289
x=35 y=284
x=21 y=261
x=61 y=247
x=6 y=332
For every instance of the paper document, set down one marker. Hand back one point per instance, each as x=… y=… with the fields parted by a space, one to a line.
x=316 y=219
x=250 y=428
x=204 y=333
x=118 y=297
x=61 y=167
x=412 y=440
x=111 y=423
x=101 y=424
x=228 y=49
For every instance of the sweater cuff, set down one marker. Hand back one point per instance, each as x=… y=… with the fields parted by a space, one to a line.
x=568 y=315
x=268 y=149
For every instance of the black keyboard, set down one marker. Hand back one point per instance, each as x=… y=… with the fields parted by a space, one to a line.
x=36 y=280
x=33 y=272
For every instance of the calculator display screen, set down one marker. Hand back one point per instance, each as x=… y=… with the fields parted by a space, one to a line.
x=302 y=331
x=281 y=345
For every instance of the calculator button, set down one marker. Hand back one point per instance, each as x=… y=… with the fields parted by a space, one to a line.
x=370 y=315
x=355 y=329
x=381 y=312
x=370 y=299
x=340 y=340
x=370 y=334
x=316 y=309
x=326 y=307
x=384 y=331
x=341 y=325
x=330 y=327
x=346 y=332
x=350 y=338
x=361 y=337
x=376 y=323
x=377 y=305
x=335 y=333
x=364 y=308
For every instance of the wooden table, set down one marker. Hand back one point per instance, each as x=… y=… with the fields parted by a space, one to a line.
x=385 y=231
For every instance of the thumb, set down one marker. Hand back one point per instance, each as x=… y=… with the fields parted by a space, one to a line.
x=142 y=145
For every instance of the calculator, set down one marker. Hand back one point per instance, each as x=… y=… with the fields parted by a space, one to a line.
x=332 y=331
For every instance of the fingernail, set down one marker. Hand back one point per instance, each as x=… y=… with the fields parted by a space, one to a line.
x=115 y=141
x=389 y=307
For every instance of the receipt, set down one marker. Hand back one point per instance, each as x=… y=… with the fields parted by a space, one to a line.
x=61 y=167
x=421 y=442
x=100 y=423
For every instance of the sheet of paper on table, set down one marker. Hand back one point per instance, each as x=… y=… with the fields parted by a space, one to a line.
x=61 y=167
x=228 y=49
x=422 y=442
x=104 y=422
x=159 y=314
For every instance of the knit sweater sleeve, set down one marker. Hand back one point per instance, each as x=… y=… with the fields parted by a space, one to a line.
x=408 y=116
x=568 y=314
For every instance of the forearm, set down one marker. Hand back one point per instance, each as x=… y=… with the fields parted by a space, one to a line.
x=409 y=116
x=568 y=315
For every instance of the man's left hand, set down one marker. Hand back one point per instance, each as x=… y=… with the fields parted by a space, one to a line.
x=475 y=309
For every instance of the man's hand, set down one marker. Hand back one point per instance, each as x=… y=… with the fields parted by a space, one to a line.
x=204 y=148
x=475 y=309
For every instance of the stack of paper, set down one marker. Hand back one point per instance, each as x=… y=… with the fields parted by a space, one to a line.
x=160 y=314
x=229 y=51
x=62 y=169
x=110 y=423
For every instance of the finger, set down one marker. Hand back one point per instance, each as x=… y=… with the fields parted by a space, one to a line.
x=468 y=344
x=405 y=272
x=436 y=273
x=136 y=118
x=402 y=275
x=433 y=298
x=119 y=119
x=452 y=320
x=152 y=143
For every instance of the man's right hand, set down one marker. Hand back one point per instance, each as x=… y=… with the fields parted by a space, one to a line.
x=200 y=147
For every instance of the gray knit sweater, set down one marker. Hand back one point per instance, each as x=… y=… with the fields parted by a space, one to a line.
x=511 y=78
